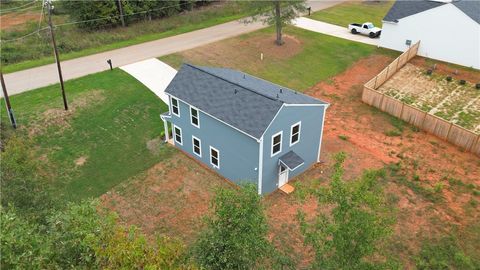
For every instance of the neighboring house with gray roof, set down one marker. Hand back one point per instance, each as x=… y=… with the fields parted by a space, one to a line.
x=243 y=127
x=447 y=30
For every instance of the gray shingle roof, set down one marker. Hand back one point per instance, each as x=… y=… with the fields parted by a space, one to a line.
x=291 y=160
x=470 y=7
x=238 y=99
x=405 y=8
x=402 y=9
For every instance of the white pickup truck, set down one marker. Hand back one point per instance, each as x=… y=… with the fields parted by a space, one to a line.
x=366 y=29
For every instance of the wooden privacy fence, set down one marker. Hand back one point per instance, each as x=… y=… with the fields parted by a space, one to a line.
x=437 y=126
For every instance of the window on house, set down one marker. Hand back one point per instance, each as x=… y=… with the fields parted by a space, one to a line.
x=194 y=118
x=276 y=143
x=178 y=134
x=175 y=109
x=295 y=133
x=197 y=148
x=214 y=157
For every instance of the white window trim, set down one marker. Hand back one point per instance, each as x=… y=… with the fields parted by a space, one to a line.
x=191 y=116
x=178 y=106
x=175 y=135
x=199 y=146
x=299 y=132
x=271 y=146
x=218 y=157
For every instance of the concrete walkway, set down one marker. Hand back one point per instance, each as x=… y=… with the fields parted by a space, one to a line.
x=33 y=78
x=332 y=30
x=154 y=74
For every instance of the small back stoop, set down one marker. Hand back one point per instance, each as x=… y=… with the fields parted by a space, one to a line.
x=287 y=189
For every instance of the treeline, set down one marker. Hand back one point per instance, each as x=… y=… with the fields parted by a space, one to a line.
x=106 y=13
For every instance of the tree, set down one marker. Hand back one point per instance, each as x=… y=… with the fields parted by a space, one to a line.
x=21 y=185
x=236 y=234
x=348 y=238
x=276 y=12
x=94 y=14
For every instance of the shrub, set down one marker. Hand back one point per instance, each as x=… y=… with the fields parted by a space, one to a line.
x=19 y=175
x=236 y=234
x=351 y=235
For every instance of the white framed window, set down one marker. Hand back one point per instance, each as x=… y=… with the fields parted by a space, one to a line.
x=194 y=117
x=277 y=143
x=175 y=106
x=197 y=146
x=214 y=157
x=295 y=133
x=177 y=133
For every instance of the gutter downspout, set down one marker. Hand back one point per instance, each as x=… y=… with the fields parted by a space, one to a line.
x=321 y=134
x=260 y=165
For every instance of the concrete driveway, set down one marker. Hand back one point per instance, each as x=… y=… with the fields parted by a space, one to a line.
x=154 y=74
x=332 y=30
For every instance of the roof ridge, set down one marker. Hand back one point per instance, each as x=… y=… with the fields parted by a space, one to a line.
x=246 y=88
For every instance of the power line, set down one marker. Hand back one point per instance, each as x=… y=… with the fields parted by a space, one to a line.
x=3 y=12
x=116 y=16
x=91 y=20
x=14 y=8
x=24 y=36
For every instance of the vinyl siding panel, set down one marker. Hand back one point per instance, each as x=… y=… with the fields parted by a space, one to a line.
x=311 y=118
x=238 y=152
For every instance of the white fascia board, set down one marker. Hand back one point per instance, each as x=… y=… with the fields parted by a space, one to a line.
x=258 y=140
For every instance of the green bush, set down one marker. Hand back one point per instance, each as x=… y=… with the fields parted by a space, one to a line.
x=20 y=182
x=236 y=234
x=350 y=236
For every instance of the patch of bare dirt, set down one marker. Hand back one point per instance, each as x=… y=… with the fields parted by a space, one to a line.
x=458 y=73
x=81 y=161
x=153 y=145
x=171 y=198
x=16 y=20
x=249 y=51
x=59 y=117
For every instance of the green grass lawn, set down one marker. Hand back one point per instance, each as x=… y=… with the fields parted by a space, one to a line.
x=112 y=120
x=74 y=42
x=305 y=59
x=354 y=12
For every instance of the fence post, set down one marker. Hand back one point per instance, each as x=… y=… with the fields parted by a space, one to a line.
x=423 y=121
x=448 y=133
x=381 y=102
x=375 y=84
x=475 y=144
x=401 y=111
x=388 y=69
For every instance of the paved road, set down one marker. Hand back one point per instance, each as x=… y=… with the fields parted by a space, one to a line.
x=33 y=78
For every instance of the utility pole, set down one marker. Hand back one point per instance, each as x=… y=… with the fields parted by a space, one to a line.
x=57 y=59
x=120 y=8
x=7 y=102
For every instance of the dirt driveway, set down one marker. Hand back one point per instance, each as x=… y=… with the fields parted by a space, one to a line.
x=173 y=196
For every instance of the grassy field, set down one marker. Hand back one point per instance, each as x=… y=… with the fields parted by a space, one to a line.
x=110 y=134
x=305 y=59
x=73 y=42
x=355 y=12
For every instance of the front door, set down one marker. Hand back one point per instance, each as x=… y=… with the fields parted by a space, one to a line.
x=282 y=175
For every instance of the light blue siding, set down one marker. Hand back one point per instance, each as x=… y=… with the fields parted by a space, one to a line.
x=238 y=152
x=311 y=118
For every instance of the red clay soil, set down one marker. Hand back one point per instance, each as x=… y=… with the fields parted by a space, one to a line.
x=16 y=20
x=368 y=147
x=457 y=72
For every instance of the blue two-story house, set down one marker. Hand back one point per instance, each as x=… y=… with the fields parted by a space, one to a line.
x=243 y=127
